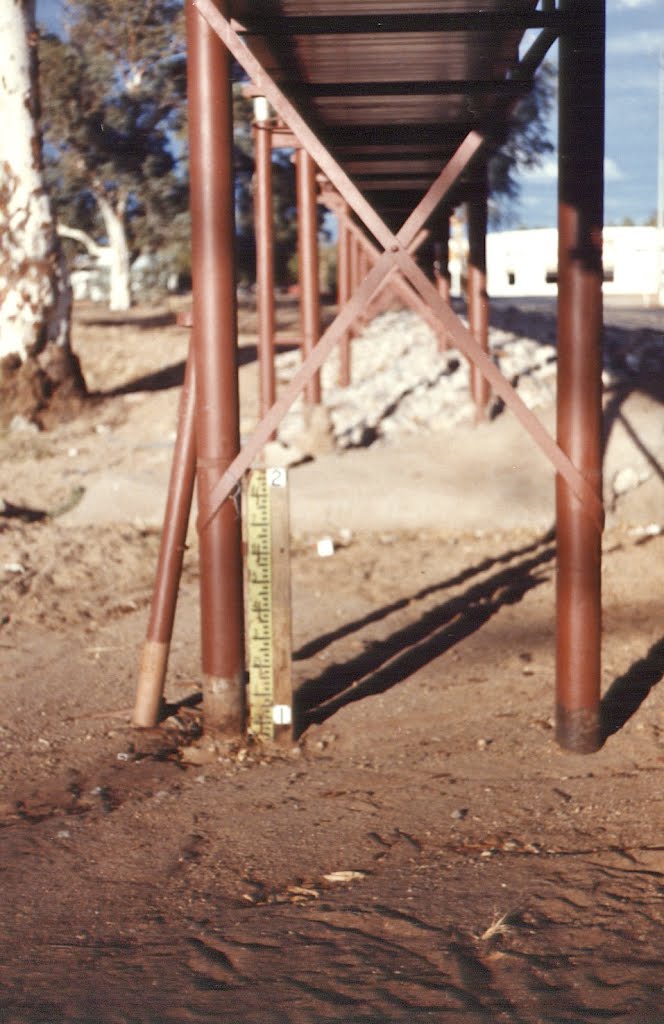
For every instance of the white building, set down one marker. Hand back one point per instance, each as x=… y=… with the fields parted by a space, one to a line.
x=525 y=262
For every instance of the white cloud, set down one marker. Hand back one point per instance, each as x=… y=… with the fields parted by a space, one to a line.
x=548 y=172
x=611 y=170
x=632 y=3
x=632 y=44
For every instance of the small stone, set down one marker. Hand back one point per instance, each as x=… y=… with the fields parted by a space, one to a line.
x=16 y=568
x=627 y=479
x=21 y=425
x=459 y=814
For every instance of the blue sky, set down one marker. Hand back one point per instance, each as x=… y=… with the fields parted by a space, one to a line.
x=635 y=36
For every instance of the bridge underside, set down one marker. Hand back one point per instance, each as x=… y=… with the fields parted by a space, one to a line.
x=393 y=109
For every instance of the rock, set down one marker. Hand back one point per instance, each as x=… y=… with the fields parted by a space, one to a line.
x=282 y=456
x=22 y=425
x=627 y=479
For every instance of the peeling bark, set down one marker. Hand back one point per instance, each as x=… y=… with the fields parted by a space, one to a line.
x=35 y=297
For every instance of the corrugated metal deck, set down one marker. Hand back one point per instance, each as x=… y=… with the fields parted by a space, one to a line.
x=393 y=87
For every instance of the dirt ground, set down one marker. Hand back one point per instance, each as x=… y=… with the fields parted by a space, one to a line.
x=425 y=851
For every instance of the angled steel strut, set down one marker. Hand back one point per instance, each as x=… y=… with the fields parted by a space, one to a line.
x=396 y=253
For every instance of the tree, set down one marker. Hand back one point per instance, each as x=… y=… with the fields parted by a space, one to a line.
x=114 y=93
x=37 y=367
x=528 y=141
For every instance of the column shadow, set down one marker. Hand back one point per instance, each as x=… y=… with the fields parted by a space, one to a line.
x=388 y=662
x=627 y=693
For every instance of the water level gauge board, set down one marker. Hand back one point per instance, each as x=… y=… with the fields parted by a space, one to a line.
x=268 y=604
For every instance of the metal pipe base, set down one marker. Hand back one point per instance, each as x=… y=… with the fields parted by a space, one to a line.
x=225 y=705
x=578 y=730
x=151 y=676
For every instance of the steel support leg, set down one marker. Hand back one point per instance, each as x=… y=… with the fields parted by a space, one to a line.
x=215 y=353
x=308 y=264
x=264 y=231
x=441 y=270
x=355 y=265
x=343 y=292
x=580 y=218
x=478 y=301
x=441 y=251
x=154 y=658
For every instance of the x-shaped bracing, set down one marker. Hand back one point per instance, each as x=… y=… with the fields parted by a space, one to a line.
x=396 y=256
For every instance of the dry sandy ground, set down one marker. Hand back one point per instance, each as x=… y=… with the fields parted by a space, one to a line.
x=425 y=851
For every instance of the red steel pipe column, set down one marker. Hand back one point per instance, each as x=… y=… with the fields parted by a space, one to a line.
x=355 y=279
x=344 y=242
x=441 y=255
x=215 y=353
x=154 y=657
x=441 y=270
x=478 y=301
x=307 y=217
x=580 y=219
x=363 y=265
x=264 y=230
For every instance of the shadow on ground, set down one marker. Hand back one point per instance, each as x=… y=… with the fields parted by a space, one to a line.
x=627 y=693
x=388 y=662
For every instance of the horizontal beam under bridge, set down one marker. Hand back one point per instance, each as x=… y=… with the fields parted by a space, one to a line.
x=377 y=24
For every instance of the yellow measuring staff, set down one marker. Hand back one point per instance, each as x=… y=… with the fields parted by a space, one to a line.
x=268 y=604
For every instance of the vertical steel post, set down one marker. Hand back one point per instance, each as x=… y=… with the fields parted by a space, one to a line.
x=363 y=265
x=307 y=217
x=154 y=657
x=215 y=354
x=354 y=265
x=478 y=301
x=264 y=231
x=343 y=291
x=441 y=269
x=579 y=420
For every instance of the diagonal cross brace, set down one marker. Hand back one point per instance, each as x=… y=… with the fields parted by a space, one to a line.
x=267 y=87
x=445 y=317
x=396 y=254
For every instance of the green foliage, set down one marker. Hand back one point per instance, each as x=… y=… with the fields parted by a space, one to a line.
x=525 y=146
x=112 y=97
x=328 y=269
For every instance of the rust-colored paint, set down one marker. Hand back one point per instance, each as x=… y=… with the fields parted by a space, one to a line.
x=344 y=290
x=478 y=300
x=579 y=414
x=215 y=353
x=441 y=270
x=220 y=462
x=398 y=256
x=308 y=272
x=154 y=660
x=264 y=232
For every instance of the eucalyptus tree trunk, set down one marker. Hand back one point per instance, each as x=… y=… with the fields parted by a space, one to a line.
x=120 y=262
x=35 y=297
